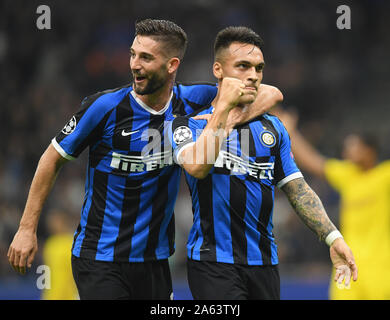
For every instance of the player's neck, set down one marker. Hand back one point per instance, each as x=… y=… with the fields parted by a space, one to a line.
x=157 y=100
x=368 y=164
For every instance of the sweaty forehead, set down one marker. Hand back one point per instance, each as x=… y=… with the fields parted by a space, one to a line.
x=238 y=51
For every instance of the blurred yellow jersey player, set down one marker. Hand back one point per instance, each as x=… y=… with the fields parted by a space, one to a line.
x=365 y=225
x=57 y=256
x=364 y=188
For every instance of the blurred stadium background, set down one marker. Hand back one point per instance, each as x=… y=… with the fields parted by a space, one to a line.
x=338 y=80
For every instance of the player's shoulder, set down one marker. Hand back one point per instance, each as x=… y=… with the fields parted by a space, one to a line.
x=195 y=91
x=274 y=120
x=206 y=85
x=271 y=117
x=208 y=109
x=106 y=99
x=384 y=165
x=188 y=120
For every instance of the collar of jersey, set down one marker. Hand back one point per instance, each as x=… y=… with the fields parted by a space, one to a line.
x=149 y=109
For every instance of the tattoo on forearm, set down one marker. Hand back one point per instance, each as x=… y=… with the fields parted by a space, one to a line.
x=309 y=207
x=219 y=130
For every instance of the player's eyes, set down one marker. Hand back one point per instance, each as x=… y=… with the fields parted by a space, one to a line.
x=146 y=58
x=242 y=66
x=260 y=67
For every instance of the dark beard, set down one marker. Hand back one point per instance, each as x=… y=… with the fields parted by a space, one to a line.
x=154 y=83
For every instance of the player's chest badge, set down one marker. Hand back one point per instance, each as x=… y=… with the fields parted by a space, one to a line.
x=267 y=139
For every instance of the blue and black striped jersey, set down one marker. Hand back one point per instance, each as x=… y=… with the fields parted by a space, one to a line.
x=233 y=205
x=131 y=181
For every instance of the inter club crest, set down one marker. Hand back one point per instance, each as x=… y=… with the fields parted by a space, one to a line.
x=267 y=139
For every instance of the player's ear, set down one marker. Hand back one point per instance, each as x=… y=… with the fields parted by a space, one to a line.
x=217 y=70
x=173 y=64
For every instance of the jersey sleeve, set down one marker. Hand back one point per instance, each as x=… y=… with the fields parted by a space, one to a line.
x=195 y=96
x=286 y=169
x=338 y=172
x=183 y=133
x=83 y=128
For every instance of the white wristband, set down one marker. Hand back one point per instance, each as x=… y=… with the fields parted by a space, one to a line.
x=332 y=237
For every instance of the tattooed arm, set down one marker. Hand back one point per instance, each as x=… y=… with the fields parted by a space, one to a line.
x=309 y=208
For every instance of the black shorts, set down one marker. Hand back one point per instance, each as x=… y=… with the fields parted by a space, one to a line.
x=101 y=280
x=223 y=281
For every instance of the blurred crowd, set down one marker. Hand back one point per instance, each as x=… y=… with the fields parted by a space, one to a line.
x=337 y=80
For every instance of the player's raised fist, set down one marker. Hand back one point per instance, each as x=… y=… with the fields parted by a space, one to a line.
x=231 y=90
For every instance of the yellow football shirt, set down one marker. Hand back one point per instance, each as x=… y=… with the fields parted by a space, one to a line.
x=57 y=256
x=365 y=225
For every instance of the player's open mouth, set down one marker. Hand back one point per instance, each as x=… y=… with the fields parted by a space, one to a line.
x=139 y=79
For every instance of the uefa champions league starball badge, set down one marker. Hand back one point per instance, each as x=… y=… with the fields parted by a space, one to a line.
x=70 y=126
x=182 y=134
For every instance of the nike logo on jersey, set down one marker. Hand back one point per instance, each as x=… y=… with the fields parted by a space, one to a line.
x=125 y=134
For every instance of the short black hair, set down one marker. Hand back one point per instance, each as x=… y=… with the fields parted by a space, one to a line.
x=236 y=34
x=166 y=31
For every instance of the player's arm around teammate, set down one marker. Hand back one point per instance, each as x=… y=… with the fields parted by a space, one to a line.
x=199 y=158
x=267 y=98
x=24 y=246
x=309 y=208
